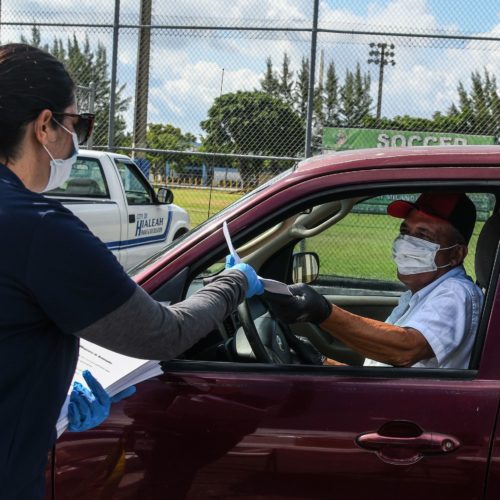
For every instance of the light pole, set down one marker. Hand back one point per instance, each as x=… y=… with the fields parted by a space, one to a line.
x=381 y=54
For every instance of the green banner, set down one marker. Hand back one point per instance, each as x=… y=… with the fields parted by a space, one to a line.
x=342 y=139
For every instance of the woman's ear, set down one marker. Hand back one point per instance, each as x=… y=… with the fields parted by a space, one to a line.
x=44 y=131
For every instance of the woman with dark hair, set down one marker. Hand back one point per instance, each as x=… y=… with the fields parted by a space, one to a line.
x=58 y=282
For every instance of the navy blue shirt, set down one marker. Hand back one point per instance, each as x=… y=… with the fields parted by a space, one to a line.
x=56 y=278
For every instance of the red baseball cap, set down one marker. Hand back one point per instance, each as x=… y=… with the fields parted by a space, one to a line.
x=455 y=208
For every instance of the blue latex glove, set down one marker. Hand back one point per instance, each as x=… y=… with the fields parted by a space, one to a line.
x=255 y=286
x=90 y=407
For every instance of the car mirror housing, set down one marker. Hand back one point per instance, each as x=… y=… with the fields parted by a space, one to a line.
x=305 y=267
x=164 y=195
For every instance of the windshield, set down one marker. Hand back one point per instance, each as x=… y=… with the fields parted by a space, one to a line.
x=219 y=215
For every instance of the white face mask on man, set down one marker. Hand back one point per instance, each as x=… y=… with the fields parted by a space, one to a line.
x=60 y=169
x=414 y=255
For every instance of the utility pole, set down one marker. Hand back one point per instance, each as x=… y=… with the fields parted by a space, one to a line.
x=382 y=54
x=142 y=78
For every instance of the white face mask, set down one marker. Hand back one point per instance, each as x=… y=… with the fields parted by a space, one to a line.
x=60 y=169
x=413 y=255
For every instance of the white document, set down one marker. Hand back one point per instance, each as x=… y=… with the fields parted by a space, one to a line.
x=115 y=372
x=229 y=243
x=272 y=286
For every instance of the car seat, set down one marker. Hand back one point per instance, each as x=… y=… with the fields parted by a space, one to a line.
x=486 y=250
x=83 y=187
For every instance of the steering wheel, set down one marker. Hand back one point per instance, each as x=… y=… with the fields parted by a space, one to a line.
x=270 y=340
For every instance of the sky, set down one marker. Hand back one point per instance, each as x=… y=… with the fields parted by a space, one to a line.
x=188 y=67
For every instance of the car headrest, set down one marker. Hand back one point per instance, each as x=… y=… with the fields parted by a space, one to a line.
x=83 y=187
x=486 y=249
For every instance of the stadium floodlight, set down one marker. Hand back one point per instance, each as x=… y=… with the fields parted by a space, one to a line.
x=382 y=55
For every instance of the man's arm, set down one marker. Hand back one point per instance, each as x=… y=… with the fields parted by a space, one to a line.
x=373 y=339
x=390 y=344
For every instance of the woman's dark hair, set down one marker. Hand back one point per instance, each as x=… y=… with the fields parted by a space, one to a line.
x=31 y=80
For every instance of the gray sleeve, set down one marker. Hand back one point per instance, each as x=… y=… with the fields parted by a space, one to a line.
x=143 y=328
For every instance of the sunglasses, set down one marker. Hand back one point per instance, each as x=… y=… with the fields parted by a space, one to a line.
x=82 y=126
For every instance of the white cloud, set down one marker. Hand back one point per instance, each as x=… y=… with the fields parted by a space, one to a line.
x=420 y=88
x=187 y=98
x=392 y=15
x=234 y=9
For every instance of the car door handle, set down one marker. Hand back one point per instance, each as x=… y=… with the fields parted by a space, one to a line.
x=403 y=448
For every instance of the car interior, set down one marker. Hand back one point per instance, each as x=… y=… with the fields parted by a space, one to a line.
x=342 y=248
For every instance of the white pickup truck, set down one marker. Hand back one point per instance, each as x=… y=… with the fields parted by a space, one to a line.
x=116 y=201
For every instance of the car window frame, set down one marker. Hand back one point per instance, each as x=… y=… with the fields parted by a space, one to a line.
x=139 y=175
x=336 y=193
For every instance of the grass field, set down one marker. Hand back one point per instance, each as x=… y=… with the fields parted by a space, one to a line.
x=358 y=246
x=202 y=203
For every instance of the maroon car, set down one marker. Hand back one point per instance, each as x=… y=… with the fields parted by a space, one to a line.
x=244 y=415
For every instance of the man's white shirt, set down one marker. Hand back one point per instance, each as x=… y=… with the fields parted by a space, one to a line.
x=446 y=312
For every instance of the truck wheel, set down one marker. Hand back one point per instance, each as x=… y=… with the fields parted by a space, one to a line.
x=179 y=233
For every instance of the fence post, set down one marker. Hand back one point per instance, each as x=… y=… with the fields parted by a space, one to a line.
x=112 y=91
x=310 y=93
x=312 y=71
x=142 y=78
x=90 y=141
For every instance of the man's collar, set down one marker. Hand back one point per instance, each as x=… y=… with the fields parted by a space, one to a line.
x=452 y=273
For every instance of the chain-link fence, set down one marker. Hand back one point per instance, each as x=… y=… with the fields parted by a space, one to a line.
x=217 y=96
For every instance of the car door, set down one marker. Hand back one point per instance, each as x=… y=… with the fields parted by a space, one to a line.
x=149 y=222
x=258 y=433
x=333 y=432
x=336 y=432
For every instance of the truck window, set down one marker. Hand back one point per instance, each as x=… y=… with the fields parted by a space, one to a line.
x=137 y=190
x=86 y=180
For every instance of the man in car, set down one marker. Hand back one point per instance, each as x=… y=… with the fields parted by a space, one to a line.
x=435 y=321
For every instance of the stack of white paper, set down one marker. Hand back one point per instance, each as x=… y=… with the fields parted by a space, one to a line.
x=115 y=372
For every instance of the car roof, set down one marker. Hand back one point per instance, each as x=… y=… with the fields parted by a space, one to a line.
x=92 y=153
x=378 y=158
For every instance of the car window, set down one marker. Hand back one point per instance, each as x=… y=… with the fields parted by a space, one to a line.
x=137 y=190
x=356 y=272
x=86 y=180
x=355 y=253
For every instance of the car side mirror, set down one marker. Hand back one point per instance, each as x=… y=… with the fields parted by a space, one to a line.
x=305 y=267
x=164 y=195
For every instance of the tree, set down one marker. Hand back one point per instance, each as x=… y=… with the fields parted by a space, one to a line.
x=166 y=136
x=332 y=111
x=478 y=111
x=87 y=65
x=253 y=123
x=302 y=88
x=286 y=81
x=355 y=98
x=270 y=82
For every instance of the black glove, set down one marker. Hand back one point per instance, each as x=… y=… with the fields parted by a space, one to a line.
x=305 y=350
x=305 y=306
